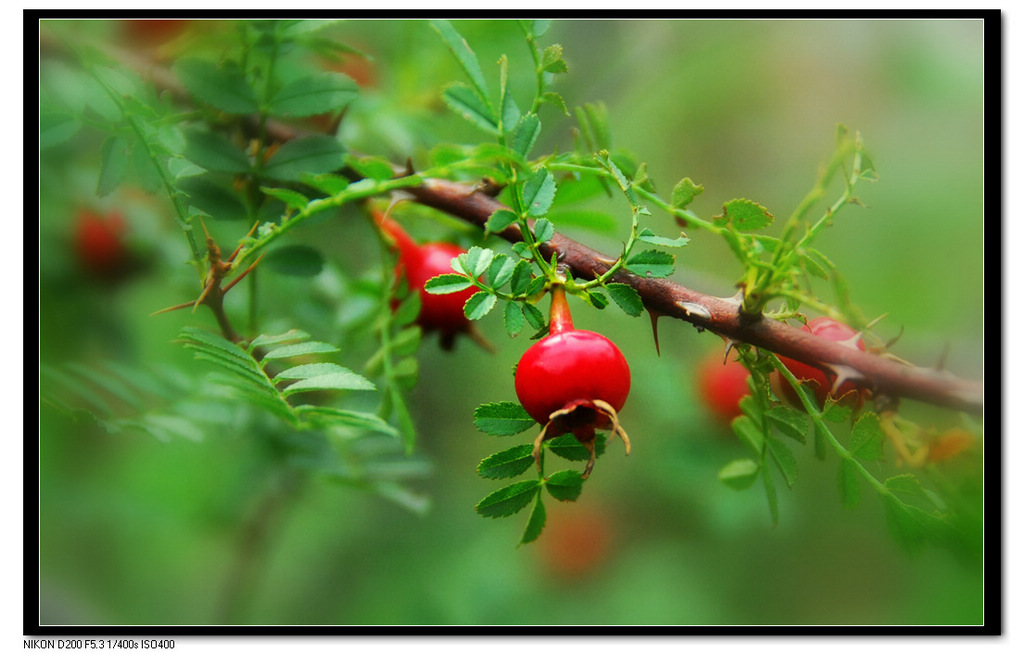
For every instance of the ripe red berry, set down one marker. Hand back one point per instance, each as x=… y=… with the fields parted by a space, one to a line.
x=576 y=543
x=99 y=245
x=832 y=330
x=573 y=381
x=721 y=384
x=419 y=263
x=153 y=32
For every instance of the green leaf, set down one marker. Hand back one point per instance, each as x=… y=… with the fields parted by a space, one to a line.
x=905 y=523
x=534 y=316
x=684 y=192
x=834 y=412
x=771 y=496
x=508 y=500
x=784 y=458
x=318 y=93
x=626 y=297
x=567 y=447
x=513 y=318
x=551 y=97
x=292 y=199
x=867 y=438
x=113 y=164
x=307 y=155
x=500 y=271
x=463 y=53
x=522 y=274
x=538 y=517
x=507 y=463
x=565 y=485
x=307 y=370
x=377 y=168
x=739 y=474
x=479 y=305
x=744 y=215
x=470 y=105
x=273 y=339
x=502 y=418
x=211 y=198
x=329 y=416
x=652 y=263
x=295 y=261
x=56 y=127
x=300 y=349
x=539 y=193
x=906 y=484
x=215 y=152
x=595 y=299
x=408 y=309
x=346 y=380
x=475 y=262
x=647 y=236
x=552 y=61
x=789 y=421
x=224 y=88
x=543 y=230
x=447 y=283
x=500 y=220
x=526 y=133
x=749 y=433
x=849 y=484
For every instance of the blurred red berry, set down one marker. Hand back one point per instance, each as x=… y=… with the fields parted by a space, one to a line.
x=99 y=244
x=721 y=384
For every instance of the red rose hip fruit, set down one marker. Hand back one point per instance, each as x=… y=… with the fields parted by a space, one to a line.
x=832 y=330
x=573 y=381
x=721 y=384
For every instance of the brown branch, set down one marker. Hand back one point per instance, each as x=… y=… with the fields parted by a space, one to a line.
x=721 y=315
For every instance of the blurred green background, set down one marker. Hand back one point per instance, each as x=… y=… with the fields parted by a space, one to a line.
x=138 y=531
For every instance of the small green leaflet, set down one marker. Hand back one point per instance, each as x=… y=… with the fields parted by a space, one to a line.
x=508 y=500
x=215 y=152
x=790 y=422
x=744 y=215
x=647 y=236
x=867 y=438
x=567 y=447
x=500 y=220
x=273 y=339
x=467 y=103
x=500 y=271
x=114 y=164
x=292 y=199
x=651 y=263
x=538 y=518
x=502 y=418
x=318 y=93
x=447 y=283
x=543 y=230
x=684 y=192
x=565 y=485
x=552 y=61
x=224 y=88
x=474 y=263
x=849 y=485
x=513 y=318
x=295 y=260
x=463 y=53
x=626 y=297
x=526 y=134
x=739 y=474
x=522 y=275
x=300 y=349
x=539 y=193
x=307 y=155
x=785 y=459
x=507 y=463
x=479 y=305
x=345 y=380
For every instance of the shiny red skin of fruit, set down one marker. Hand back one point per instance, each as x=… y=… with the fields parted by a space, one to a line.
x=441 y=312
x=571 y=366
x=832 y=330
x=721 y=384
x=98 y=243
